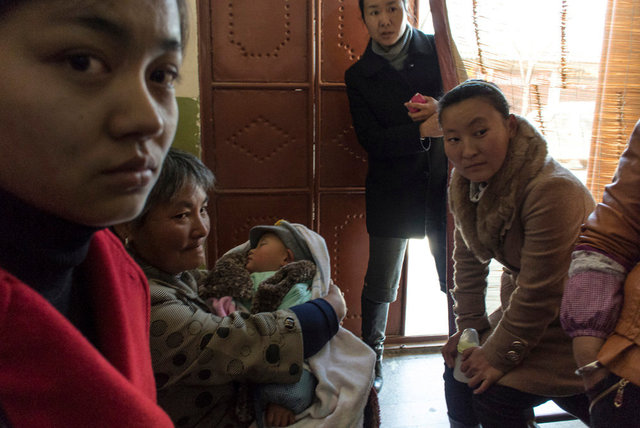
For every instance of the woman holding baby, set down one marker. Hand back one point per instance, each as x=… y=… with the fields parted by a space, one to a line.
x=197 y=356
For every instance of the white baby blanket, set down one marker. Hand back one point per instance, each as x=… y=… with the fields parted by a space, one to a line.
x=344 y=367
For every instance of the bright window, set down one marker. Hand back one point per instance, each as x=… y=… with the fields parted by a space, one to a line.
x=545 y=56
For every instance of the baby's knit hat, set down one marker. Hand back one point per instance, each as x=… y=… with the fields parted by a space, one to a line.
x=288 y=234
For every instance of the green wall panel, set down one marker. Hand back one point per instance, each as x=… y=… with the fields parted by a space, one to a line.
x=188 y=134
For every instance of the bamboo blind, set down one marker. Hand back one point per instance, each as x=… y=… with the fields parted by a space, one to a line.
x=618 y=101
x=545 y=55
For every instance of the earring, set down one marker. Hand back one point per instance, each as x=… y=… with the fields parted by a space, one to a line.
x=126 y=242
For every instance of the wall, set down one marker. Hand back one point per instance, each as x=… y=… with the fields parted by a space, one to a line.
x=188 y=91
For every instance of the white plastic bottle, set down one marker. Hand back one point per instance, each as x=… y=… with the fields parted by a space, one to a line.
x=468 y=339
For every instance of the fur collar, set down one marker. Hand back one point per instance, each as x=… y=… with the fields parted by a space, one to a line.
x=229 y=277
x=483 y=225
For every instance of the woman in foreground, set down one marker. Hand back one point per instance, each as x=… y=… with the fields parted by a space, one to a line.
x=87 y=113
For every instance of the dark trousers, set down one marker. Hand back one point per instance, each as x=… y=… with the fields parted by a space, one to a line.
x=501 y=406
x=615 y=404
x=386 y=256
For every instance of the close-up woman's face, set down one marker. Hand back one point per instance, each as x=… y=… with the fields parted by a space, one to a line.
x=87 y=104
x=386 y=20
x=476 y=138
x=172 y=235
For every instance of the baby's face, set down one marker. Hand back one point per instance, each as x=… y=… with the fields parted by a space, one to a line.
x=270 y=254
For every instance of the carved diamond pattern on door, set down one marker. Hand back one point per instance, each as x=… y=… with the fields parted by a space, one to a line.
x=341 y=159
x=261 y=139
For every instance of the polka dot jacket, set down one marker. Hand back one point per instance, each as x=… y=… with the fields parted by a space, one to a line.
x=197 y=356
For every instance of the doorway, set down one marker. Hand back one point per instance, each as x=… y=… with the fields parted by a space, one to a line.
x=426 y=306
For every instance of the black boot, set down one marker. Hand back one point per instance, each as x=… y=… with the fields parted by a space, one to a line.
x=377 y=381
x=374 y=323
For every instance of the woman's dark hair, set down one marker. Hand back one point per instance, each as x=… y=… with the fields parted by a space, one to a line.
x=7 y=5
x=178 y=169
x=475 y=88
x=361 y=4
x=184 y=22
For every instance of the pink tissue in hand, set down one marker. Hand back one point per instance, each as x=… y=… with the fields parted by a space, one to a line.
x=417 y=98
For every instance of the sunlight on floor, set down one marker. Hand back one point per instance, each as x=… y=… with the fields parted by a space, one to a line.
x=413 y=394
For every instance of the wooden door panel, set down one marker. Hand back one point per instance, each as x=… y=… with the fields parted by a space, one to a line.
x=342 y=161
x=261 y=139
x=277 y=131
x=343 y=38
x=235 y=215
x=260 y=40
x=342 y=224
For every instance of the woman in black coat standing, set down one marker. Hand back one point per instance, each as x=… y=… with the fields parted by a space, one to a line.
x=407 y=177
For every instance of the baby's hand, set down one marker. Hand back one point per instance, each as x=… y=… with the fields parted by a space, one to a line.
x=278 y=416
x=336 y=299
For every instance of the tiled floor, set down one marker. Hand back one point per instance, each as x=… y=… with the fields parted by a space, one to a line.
x=412 y=395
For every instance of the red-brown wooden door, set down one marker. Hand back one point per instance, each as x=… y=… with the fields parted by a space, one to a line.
x=276 y=128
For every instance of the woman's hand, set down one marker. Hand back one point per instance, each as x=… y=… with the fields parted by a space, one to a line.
x=431 y=127
x=421 y=111
x=476 y=367
x=336 y=299
x=450 y=350
x=585 y=351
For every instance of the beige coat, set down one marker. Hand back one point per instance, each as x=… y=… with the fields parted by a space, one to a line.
x=528 y=219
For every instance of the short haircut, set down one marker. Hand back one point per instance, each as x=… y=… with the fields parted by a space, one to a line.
x=475 y=88
x=178 y=169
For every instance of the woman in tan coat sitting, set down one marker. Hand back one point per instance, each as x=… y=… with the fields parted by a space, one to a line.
x=515 y=204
